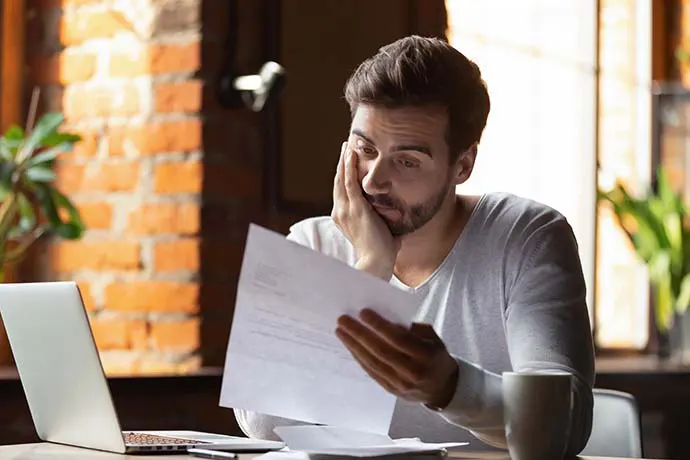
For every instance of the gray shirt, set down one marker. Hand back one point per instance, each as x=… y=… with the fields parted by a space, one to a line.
x=510 y=295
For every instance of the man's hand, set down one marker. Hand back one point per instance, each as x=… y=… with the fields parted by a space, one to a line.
x=412 y=364
x=374 y=244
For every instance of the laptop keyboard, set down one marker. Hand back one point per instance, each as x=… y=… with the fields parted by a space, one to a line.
x=152 y=439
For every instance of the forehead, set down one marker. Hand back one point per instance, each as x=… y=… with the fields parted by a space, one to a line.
x=426 y=122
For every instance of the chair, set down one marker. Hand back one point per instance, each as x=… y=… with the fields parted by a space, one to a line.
x=616 y=430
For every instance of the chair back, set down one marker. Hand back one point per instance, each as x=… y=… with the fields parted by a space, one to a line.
x=616 y=430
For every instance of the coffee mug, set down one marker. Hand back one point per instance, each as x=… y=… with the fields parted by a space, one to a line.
x=537 y=413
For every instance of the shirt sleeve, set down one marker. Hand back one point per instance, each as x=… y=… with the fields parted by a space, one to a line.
x=547 y=329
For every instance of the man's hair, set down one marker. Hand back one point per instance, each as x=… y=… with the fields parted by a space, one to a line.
x=425 y=72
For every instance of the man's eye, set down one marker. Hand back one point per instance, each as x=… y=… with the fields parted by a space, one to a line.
x=368 y=151
x=408 y=164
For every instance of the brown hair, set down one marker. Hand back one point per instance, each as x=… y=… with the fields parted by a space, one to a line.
x=418 y=71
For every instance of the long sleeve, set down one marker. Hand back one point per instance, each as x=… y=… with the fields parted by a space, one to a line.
x=547 y=329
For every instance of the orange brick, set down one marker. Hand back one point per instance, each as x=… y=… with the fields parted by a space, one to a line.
x=176 y=336
x=63 y=69
x=118 y=333
x=153 y=296
x=178 y=97
x=68 y=256
x=69 y=177
x=150 y=219
x=178 y=136
x=87 y=298
x=114 y=100
x=81 y=26
x=156 y=59
x=112 y=178
x=87 y=146
x=175 y=255
x=96 y=216
x=153 y=366
x=178 y=177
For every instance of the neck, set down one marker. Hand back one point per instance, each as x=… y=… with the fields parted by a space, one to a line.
x=426 y=247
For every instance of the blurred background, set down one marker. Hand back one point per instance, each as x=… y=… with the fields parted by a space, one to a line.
x=174 y=162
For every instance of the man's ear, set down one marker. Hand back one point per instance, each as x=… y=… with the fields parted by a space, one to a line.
x=465 y=164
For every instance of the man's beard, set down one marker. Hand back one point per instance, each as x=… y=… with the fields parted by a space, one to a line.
x=412 y=218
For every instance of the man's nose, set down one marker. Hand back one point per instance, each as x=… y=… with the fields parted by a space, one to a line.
x=376 y=180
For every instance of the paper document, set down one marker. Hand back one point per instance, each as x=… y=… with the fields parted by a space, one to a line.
x=283 y=356
x=327 y=440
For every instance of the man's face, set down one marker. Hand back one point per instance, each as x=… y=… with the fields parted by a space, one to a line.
x=402 y=156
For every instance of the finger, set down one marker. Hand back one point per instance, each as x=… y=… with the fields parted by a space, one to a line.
x=352 y=185
x=339 y=192
x=424 y=331
x=398 y=336
x=375 y=369
x=363 y=338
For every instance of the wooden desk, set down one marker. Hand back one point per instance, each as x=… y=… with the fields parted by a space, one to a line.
x=45 y=451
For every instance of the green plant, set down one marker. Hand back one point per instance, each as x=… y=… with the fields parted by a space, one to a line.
x=655 y=224
x=30 y=205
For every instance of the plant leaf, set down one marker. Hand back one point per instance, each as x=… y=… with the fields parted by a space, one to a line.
x=683 y=300
x=56 y=138
x=40 y=174
x=664 y=305
x=45 y=127
x=49 y=155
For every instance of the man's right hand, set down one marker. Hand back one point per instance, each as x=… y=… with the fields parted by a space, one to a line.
x=374 y=244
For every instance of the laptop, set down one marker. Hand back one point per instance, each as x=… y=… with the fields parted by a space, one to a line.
x=63 y=379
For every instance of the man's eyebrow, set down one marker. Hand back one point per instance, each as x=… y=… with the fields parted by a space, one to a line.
x=359 y=133
x=416 y=148
x=400 y=148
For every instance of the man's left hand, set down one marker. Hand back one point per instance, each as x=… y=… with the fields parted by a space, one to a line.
x=412 y=364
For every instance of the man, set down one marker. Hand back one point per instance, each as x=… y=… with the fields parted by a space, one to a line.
x=500 y=276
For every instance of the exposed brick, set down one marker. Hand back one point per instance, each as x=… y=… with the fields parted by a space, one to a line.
x=176 y=336
x=87 y=298
x=69 y=177
x=159 y=367
x=113 y=177
x=153 y=296
x=68 y=256
x=96 y=216
x=179 y=97
x=176 y=255
x=151 y=138
x=177 y=15
x=81 y=26
x=114 y=100
x=159 y=218
x=156 y=59
x=73 y=178
x=87 y=146
x=119 y=333
x=65 y=68
x=178 y=177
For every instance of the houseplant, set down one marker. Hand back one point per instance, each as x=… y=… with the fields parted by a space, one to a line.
x=657 y=226
x=30 y=205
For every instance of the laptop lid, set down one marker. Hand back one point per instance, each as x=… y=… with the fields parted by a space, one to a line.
x=59 y=366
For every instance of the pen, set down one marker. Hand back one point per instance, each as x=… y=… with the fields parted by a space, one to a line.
x=212 y=454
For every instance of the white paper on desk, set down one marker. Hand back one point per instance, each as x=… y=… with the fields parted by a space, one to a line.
x=283 y=356
x=328 y=440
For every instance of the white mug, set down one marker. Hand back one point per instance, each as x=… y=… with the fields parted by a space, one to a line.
x=537 y=413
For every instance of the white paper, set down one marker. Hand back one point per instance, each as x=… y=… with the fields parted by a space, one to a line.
x=283 y=356
x=328 y=440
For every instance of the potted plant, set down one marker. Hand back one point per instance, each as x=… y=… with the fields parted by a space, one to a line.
x=657 y=227
x=30 y=205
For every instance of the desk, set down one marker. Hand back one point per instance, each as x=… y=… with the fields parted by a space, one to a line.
x=45 y=451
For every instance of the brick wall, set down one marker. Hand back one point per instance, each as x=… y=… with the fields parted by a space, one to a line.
x=166 y=180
